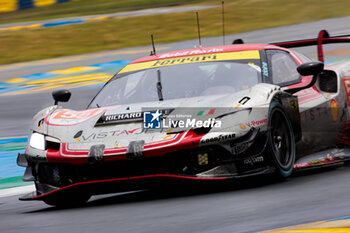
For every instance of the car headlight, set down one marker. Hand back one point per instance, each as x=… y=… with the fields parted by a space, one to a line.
x=37 y=141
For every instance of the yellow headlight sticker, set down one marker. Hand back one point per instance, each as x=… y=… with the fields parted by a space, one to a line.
x=254 y=54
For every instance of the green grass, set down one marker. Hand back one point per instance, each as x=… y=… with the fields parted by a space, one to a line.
x=12 y=182
x=12 y=146
x=85 y=7
x=241 y=16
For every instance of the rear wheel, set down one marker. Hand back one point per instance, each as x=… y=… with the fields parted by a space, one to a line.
x=281 y=147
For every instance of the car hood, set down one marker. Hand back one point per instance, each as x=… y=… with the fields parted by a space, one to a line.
x=117 y=126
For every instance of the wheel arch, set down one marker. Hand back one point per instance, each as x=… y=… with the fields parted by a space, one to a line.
x=291 y=107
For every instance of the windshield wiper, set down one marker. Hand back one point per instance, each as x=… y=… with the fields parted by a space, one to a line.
x=159 y=87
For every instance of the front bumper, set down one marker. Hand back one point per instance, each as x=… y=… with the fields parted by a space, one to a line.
x=208 y=163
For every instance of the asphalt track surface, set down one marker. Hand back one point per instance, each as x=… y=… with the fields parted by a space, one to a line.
x=249 y=205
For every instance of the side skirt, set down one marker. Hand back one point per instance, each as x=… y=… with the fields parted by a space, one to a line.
x=328 y=157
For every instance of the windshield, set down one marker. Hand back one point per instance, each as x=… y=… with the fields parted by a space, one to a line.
x=179 y=81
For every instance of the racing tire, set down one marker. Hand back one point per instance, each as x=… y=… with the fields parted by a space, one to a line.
x=281 y=142
x=64 y=200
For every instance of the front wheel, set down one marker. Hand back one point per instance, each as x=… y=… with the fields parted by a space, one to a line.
x=281 y=142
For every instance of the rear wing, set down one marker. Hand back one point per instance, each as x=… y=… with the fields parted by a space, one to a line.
x=323 y=38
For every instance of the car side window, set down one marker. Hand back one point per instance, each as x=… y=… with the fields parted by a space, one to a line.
x=283 y=68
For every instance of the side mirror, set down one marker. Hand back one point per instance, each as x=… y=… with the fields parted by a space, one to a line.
x=309 y=68
x=61 y=95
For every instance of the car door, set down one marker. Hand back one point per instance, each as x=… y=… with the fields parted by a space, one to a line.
x=318 y=110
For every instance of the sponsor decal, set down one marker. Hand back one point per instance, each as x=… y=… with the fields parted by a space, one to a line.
x=203 y=159
x=252 y=161
x=318 y=162
x=210 y=112
x=114 y=133
x=129 y=117
x=77 y=135
x=256 y=123
x=96 y=136
x=152 y=120
x=294 y=105
x=242 y=126
x=265 y=69
x=192 y=52
x=69 y=117
x=80 y=137
x=334 y=110
x=123 y=117
x=346 y=82
x=220 y=138
x=192 y=58
x=184 y=60
x=240 y=148
x=301 y=165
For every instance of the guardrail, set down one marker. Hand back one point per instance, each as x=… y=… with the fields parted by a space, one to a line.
x=13 y=5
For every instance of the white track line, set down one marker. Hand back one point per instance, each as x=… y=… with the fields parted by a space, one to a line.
x=16 y=190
